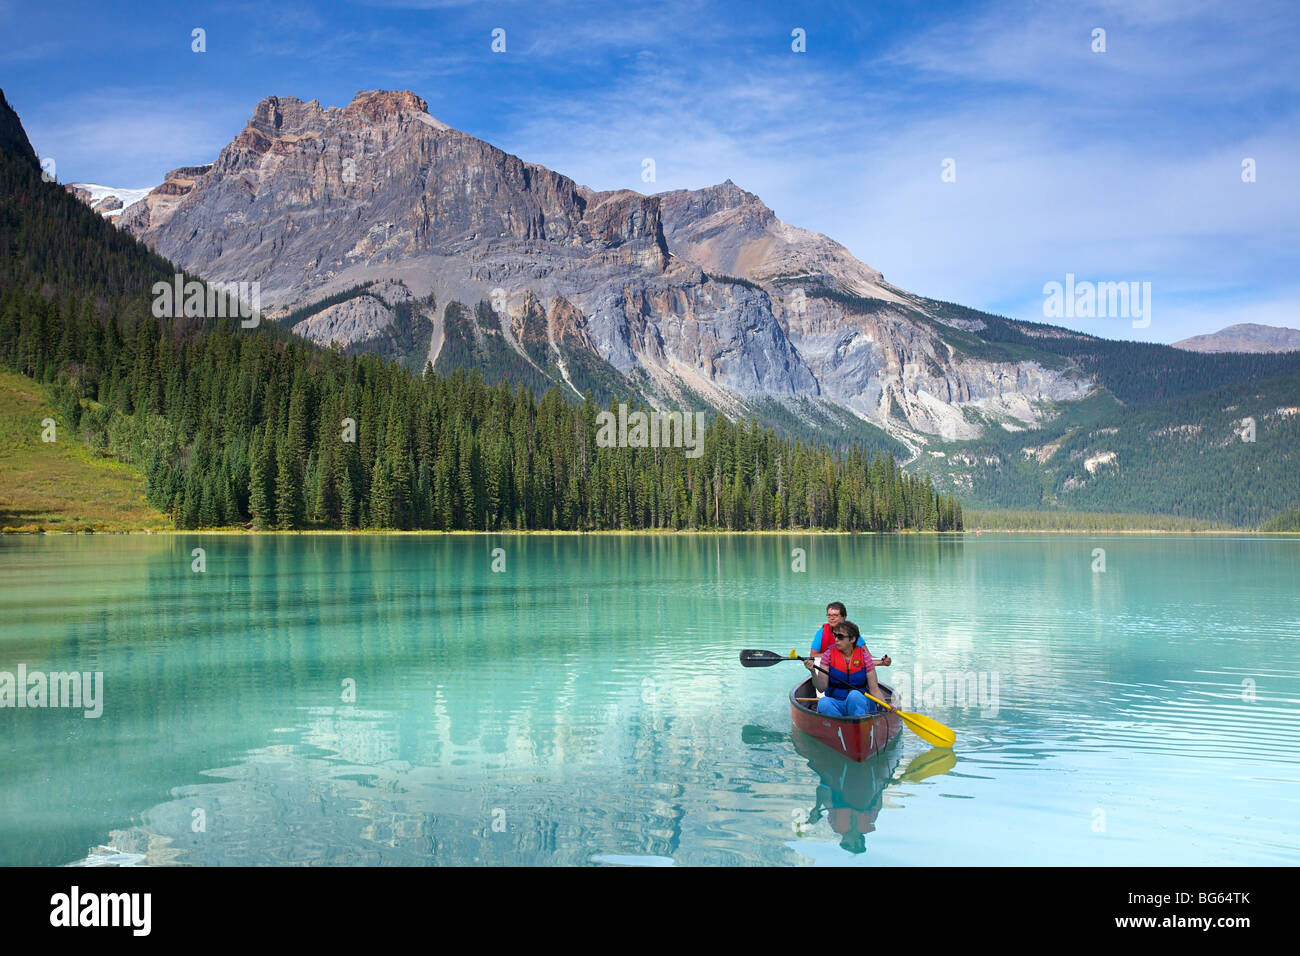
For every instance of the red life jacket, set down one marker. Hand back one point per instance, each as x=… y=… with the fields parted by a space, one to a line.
x=827 y=639
x=852 y=672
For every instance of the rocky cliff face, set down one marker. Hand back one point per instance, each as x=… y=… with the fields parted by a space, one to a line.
x=696 y=294
x=730 y=232
x=161 y=201
x=866 y=349
x=356 y=320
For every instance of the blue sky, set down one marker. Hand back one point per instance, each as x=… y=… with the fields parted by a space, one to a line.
x=1115 y=166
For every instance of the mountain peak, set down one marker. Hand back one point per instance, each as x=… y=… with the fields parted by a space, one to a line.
x=727 y=191
x=732 y=232
x=380 y=104
x=280 y=116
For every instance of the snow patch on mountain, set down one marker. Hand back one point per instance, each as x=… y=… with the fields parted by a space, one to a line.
x=97 y=194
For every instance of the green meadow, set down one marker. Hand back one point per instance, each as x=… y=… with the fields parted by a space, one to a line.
x=61 y=485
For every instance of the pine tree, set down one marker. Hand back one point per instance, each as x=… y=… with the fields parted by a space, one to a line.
x=348 y=518
x=259 y=477
x=288 y=507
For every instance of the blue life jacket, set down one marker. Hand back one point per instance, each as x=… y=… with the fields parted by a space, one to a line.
x=852 y=672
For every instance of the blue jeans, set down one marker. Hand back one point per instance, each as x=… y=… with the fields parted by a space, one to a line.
x=854 y=705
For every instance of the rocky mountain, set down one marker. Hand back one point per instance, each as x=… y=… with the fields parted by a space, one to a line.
x=695 y=297
x=1246 y=337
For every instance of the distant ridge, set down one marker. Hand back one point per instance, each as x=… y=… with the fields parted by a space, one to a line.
x=1246 y=337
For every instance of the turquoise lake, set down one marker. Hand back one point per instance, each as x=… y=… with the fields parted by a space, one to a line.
x=393 y=700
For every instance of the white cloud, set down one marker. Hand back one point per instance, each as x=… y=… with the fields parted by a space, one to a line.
x=1186 y=49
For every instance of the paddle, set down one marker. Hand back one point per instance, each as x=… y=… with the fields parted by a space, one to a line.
x=768 y=658
x=765 y=658
x=929 y=730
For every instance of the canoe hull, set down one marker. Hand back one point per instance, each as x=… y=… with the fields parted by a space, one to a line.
x=855 y=737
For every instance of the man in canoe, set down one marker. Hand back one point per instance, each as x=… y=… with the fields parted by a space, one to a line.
x=846 y=670
x=824 y=639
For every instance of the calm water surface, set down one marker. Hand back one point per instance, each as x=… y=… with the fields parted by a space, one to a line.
x=586 y=706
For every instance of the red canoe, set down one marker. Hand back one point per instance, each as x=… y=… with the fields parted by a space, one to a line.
x=855 y=737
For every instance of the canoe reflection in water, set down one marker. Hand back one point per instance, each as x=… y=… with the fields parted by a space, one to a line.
x=852 y=792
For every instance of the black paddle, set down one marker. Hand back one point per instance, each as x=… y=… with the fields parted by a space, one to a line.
x=768 y=658
x=763 y=658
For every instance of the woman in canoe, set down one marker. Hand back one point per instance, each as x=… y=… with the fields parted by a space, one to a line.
x=824 y=639
x=846 y=670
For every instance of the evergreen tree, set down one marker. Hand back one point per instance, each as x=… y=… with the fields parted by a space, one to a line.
x=287 y=502
x=259 y=495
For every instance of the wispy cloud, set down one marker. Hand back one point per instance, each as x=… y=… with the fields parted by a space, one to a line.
x=124 y=140
x=29 y=53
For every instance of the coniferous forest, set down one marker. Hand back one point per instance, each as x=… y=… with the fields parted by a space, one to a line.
x=236 y=426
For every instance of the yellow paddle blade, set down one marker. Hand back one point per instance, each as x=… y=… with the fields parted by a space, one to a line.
x=931 y=731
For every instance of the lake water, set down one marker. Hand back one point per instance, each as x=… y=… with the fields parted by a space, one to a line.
x=585 y=704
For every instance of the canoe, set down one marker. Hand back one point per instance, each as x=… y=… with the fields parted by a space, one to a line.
x=855 y=737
